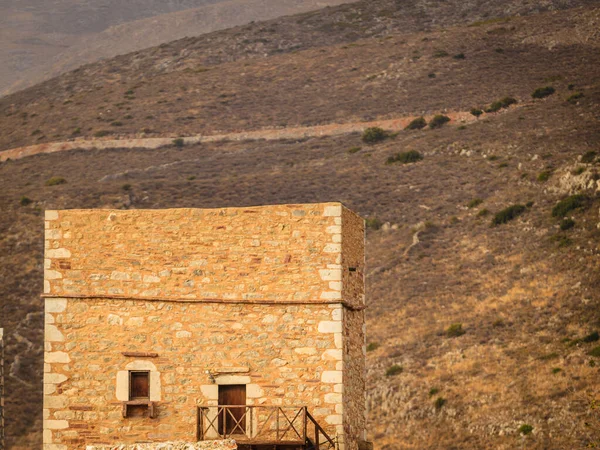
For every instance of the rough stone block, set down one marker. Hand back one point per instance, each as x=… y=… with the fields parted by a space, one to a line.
x=306 y=351
x=53 y=234
x=331 y=295
x=58 y=253
x=50 y=215
x=54 y=378
x=330 y=274
x=55 y=305
x=334 y=419
x=332 y=355
x=55 y=424
x=55 y=401
x=330 y=327
x=57 y=357
x=331 y=377
x=51 y=333
x=333 y=398
x=333 y=211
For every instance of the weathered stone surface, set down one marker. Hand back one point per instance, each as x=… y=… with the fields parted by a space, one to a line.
x=301 y=244
x=228 y=444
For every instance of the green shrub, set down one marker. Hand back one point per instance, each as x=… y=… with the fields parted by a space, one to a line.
x=507 y=101
x=549 y=356
x=417 y=124
x=433 y=391
x=76 y=131
x=128 y=116
x=578 y=171
x=571 y=86
x=440 y=54
x=508 y=214
x=544 y=176
x=431 y=75
x=483 y=212
x=567 y=224
x=126 y=187
x=408 y=157
x=372 y=346
x=459 y=56
x=55 y=181
x=525 y=429
x=569 y=204
x=529 y=204
x=191 y=177
x=374 y=134
x=595 y=352
x=179 y=142
x=556 y=370
x=101 y=133
x=475 y=203
x=25 y=201
x=476 y=112
x=439 y=402
x=455 y=330
x=494 y=107
x=543 y=92
x=499 y=50
x=116 y=123
x=588 y=157
x=394 y=370
x=502 y=103
x=439 y=121
x=373 y=223
x=573 y=98
x=561 y=240
x=592 y=337
x=35 y=132
x=354 y=150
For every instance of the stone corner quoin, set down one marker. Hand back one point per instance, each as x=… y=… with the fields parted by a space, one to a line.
x=266 y=298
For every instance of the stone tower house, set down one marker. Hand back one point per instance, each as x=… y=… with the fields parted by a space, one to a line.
x=203 y=324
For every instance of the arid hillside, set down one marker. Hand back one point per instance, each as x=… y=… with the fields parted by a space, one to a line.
x=483 y=241
x=38 y=42
x=222 y=82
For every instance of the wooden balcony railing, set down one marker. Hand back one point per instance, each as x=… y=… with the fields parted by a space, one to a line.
x=263 y=425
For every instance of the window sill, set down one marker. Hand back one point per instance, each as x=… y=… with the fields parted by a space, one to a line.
x=150 y=405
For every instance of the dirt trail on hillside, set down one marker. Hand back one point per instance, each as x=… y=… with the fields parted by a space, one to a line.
x=334 y=129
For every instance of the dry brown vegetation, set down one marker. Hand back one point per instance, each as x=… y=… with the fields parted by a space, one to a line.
x=179 y=89
x=525 y=292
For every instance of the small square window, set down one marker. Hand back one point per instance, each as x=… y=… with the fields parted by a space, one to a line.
x=139 y=385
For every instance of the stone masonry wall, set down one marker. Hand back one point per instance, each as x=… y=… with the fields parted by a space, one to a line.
x=269 y=297
x=228 y=444
x=281 y=253
x=354 y=401
x=293 y=355
x=353 y=273
x=353 y=258
x=2 y=389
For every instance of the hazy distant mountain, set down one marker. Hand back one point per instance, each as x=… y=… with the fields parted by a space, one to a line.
x=41 y=39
